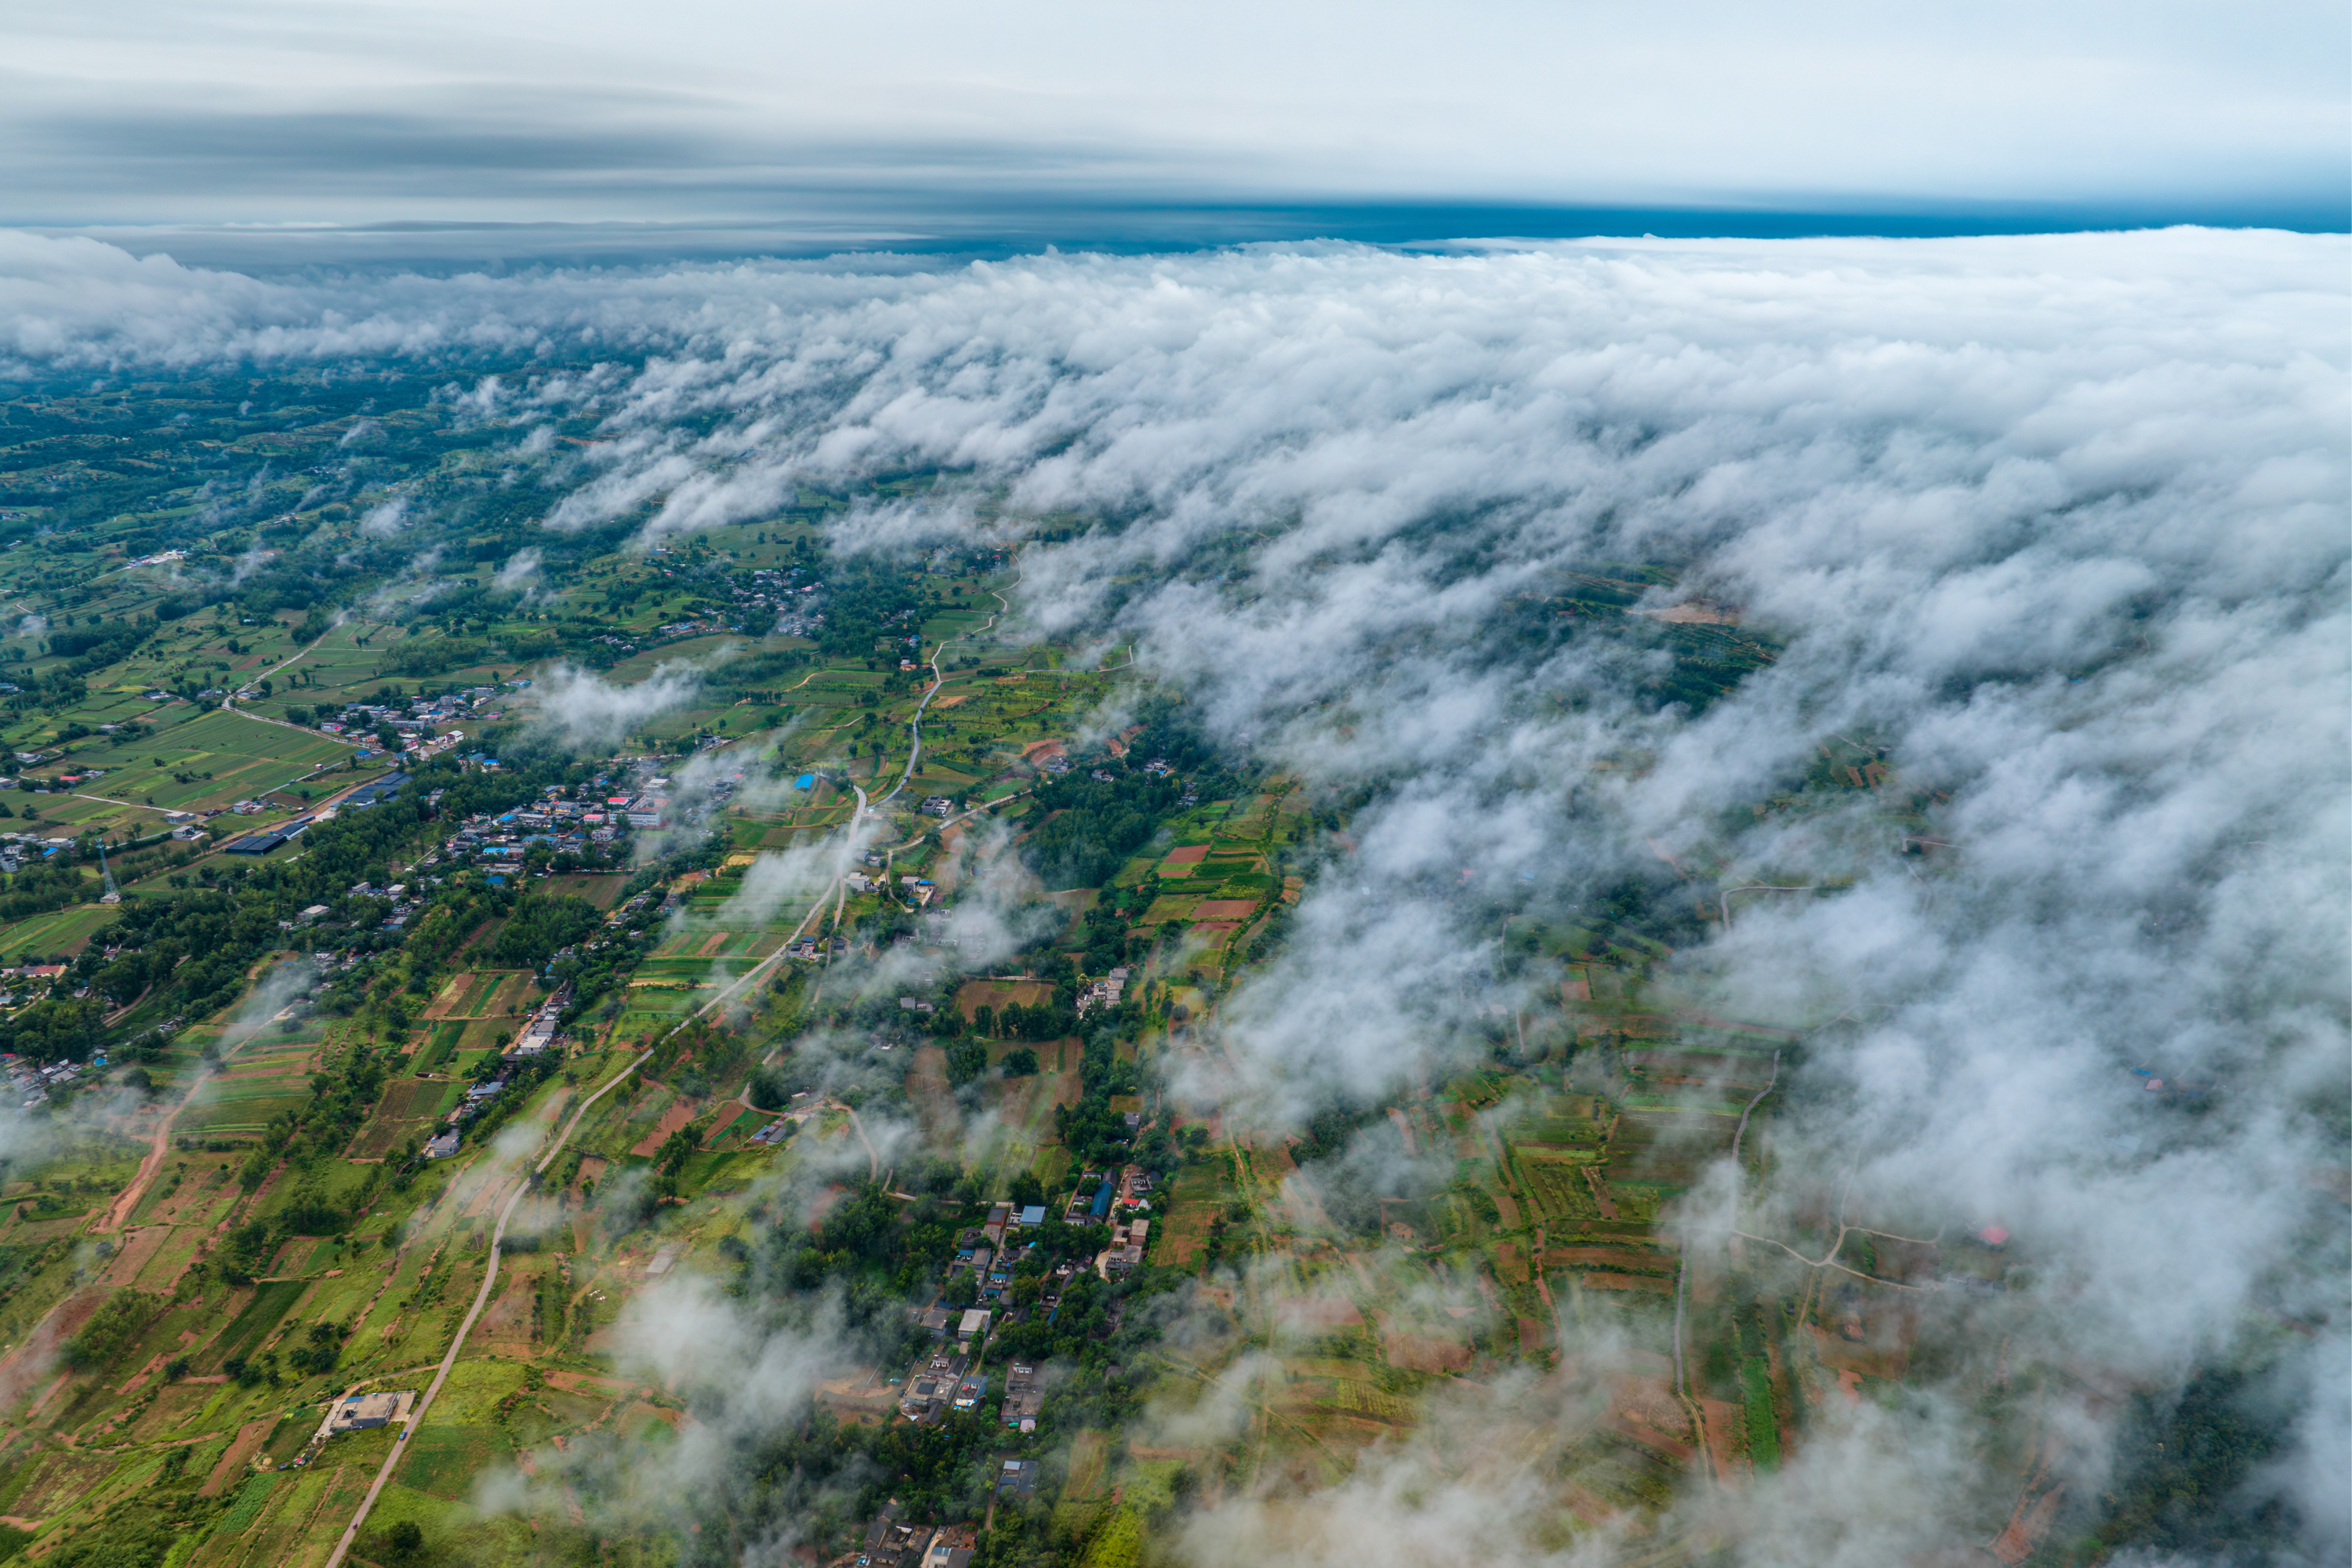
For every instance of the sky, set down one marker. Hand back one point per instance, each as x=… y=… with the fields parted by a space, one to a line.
x=267 y=131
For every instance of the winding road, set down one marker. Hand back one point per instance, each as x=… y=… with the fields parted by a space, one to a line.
x=836 y=891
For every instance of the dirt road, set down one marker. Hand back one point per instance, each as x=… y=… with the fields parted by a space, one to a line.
x=121 y=1210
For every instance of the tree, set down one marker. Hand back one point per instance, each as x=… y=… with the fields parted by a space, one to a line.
x=404 y=1542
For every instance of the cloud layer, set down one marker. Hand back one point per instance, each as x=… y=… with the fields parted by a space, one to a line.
x=2057 y=524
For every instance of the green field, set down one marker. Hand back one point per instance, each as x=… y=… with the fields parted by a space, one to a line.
x=246 y=1331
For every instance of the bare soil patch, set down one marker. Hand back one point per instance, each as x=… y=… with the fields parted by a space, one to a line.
x=1724 y=1422
x=927 y=1085
x=978 y=994
x=675 y=1117
x=1695 y=613
x=137 y=1247
x=249 y=1438
x=452 y=996
x=504 y=1328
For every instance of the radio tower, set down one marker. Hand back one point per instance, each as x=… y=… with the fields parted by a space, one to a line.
x=113 y=895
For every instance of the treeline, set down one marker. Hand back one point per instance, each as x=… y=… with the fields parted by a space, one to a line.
x=93 y=647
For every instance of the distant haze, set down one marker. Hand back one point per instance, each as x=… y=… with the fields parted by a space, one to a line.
x=790 y=129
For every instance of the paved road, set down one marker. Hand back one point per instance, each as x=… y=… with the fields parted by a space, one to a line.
x=837 y=891
x=229 y=703
x=938 y=678
x=506 y=1210
x=481 y=1299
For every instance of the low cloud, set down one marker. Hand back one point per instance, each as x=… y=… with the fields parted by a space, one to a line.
x=2050 y=528
x=585 y=709
x=385 y=519
x=279 y=987
x=520 y=573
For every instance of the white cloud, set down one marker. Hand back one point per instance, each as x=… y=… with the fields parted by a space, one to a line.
x=520 y=573
x=2058 y=521
x=385 y=519
x=902 y=128
x=586 y=709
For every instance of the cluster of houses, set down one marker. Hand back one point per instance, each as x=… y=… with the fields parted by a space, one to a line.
x=36 y=978
x=948 y=1378
x=990 y=1250
x=1126 y=1253
x=1024 y=1395
x=15 y=846
x=538 y=1036
x=1100 y=1196
x=559 y=823
x=1104 y=992
x=33 y=1082
x=890 y=1543
x=934 y=1386
x=404 y=901
x=917 y=889
x=417 y=720
x=541 y=1032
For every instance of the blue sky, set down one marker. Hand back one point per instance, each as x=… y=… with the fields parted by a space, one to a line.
x=796 y=126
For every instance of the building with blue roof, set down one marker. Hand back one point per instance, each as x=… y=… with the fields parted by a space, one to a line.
x=368 y=794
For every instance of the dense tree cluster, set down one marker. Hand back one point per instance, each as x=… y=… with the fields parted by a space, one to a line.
x=1087 y=827
x=541 y=924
